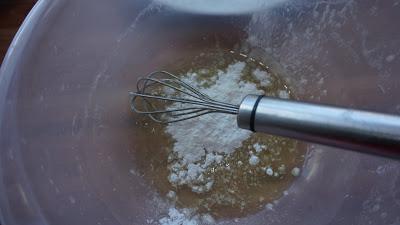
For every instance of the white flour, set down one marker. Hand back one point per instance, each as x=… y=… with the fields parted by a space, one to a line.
x=263 y=77
x=203 y=141
x=254 y=160
x=259 y=147
x=296 y=171
x=283 y=94
x=176 y=217
x=186 y=217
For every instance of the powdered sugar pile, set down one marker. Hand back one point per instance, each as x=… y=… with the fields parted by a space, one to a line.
x=203 y=154
x=206 y=140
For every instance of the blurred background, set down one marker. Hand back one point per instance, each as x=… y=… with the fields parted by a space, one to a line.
x=12 y=13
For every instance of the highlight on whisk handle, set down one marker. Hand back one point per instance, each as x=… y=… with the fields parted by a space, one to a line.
x=362 y=131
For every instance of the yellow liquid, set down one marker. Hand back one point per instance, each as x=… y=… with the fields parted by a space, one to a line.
x=239 y=188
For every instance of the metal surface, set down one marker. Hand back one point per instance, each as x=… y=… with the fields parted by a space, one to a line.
x=245 y=110
x=366 y=132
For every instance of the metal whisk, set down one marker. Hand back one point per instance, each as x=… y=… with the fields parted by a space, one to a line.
x=160 y=88
x=165 y=98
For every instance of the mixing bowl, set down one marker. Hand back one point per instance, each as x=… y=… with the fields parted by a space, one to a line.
x=69 y=144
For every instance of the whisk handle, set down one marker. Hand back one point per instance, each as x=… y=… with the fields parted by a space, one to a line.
x=362 y=131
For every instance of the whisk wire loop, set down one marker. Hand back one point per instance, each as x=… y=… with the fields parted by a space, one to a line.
x=165 y=98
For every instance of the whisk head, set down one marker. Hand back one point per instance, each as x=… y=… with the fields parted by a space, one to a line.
x=165 y=98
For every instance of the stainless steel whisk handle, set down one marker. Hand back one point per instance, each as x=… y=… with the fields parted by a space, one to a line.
x=362 y=131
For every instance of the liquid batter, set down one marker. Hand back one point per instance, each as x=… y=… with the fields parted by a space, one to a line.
x=236 y=182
